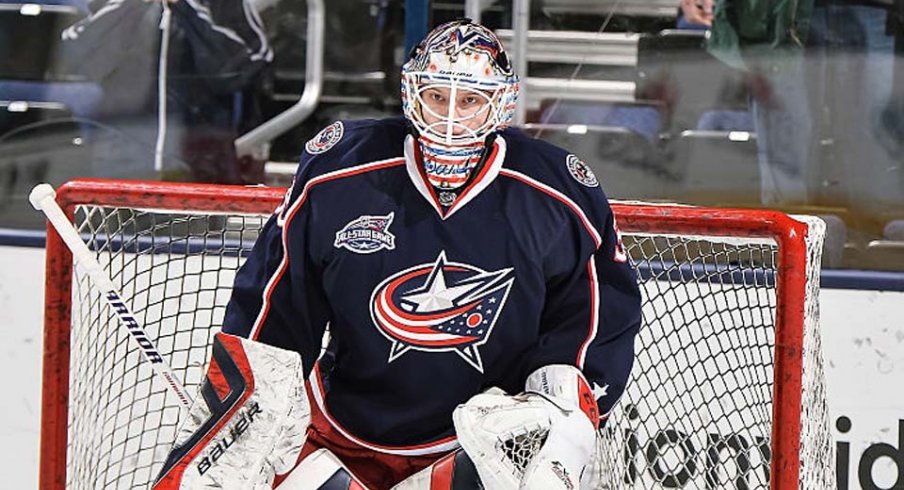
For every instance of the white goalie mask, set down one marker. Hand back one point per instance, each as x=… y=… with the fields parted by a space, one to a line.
x=458 y=88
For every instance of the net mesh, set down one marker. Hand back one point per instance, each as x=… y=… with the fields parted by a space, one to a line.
x=697 y=412
x=175 y=272
x=817 y=448
x=519 y=448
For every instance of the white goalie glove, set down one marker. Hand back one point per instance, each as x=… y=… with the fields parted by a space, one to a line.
x=247 y=425
x=541 y=439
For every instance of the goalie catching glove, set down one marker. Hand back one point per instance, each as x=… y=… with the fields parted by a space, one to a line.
x=248 y=424
x=541 y=439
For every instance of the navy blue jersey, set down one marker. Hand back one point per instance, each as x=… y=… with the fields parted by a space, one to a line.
x=427 y=305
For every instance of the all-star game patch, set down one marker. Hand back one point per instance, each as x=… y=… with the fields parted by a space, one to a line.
x=325 y=139
x=581 y=172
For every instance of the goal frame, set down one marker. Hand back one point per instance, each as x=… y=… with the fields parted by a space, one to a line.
x=791 y=284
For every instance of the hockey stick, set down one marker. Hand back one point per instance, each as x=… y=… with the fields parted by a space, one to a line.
x=43 y=198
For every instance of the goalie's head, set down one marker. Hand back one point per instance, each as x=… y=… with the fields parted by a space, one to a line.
x=458 y=86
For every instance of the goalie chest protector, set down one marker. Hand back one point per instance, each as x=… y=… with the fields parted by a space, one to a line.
x=428 y=301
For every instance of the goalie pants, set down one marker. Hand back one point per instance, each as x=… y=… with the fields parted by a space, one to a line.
x=376 y=470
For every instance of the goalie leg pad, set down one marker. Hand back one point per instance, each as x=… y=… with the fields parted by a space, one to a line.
x=455 y=471
x=248 y=422
x=375 y=470
x=321 y=470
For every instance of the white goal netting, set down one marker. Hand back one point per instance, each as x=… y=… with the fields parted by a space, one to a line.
x=699 y=413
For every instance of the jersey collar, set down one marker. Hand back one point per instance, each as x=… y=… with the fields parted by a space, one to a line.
x=484 y=178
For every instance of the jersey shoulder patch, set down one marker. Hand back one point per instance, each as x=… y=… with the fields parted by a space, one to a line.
x=325 y=139
x=580 y=171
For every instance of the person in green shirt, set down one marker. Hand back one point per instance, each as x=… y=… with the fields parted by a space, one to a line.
x=821 y=74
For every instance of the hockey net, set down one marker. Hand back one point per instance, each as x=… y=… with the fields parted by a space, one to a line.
x=727 y=390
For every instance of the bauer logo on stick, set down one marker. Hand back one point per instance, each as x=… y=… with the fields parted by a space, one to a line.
x=440 y=307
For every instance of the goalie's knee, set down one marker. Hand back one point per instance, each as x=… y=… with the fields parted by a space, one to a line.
x=452 y=471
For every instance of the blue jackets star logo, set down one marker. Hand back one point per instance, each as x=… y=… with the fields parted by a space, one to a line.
x=440 y=307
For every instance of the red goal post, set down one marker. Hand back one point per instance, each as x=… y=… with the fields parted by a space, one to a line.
x=728 y=390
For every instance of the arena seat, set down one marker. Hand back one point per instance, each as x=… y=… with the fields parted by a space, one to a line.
x=833 y=247
x=39 y=142
x=884 y=255
x=81 y=98
x=626 y=163
x=29 y=53
x=717 y=167
x=702 y=92
x=643 y=118
x=726 y=120
x=894 y=230
x=30 y=39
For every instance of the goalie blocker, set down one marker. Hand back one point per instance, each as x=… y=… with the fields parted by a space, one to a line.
x=251 y=428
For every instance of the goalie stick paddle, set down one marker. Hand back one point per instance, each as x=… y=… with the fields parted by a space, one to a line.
x=43 y=198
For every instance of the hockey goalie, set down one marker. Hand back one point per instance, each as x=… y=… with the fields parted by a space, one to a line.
x=479 y=309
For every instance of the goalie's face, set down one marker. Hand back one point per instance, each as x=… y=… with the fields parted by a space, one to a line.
x=456 y=111
x=451 y=112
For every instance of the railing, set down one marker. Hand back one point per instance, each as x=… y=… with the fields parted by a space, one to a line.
x=256 y=142
x=578 y=48
x=539 y=89
x=594 y=48
x=644 y=8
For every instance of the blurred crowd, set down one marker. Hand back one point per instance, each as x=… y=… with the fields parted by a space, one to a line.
x=797 y=106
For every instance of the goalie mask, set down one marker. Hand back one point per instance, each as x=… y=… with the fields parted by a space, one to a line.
x=458 y=88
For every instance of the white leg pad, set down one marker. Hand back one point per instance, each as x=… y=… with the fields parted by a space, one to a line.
x=320 y=470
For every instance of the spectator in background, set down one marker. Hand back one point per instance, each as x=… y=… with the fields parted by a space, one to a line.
x=696 y=14
x=823 y=73
x=216 y=67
